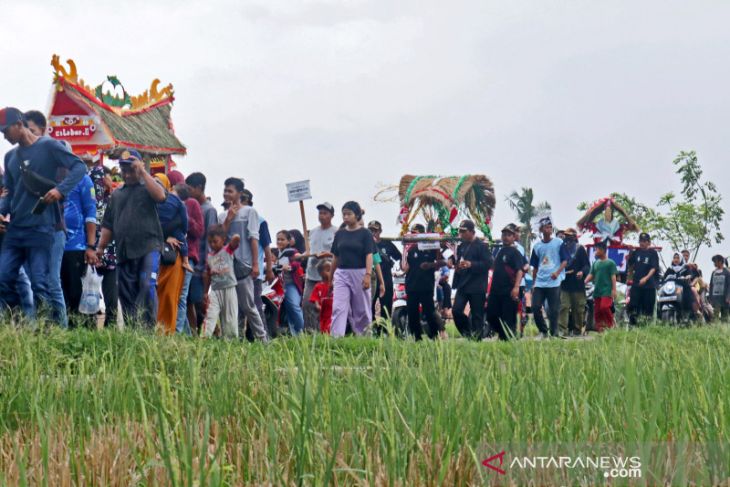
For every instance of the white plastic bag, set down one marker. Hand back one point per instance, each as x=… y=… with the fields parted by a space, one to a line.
x=91 y=292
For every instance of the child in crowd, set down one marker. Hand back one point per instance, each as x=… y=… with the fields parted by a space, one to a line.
x=291 y=273
x=603 y=274
x=221 y=301
x=720 y=289
x=322 y=296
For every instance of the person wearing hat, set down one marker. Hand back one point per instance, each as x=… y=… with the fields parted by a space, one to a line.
x=28 y=212
x=420 y=267
x=719 y=295
x=353 y=249
x=548 y=263
x=320 y=246
x=573 y=288
x=389 y=255
x=644 y=262
x=131 y=221
x=60 y=294
x=504 y=293
x=522 y=308
x=472 y=263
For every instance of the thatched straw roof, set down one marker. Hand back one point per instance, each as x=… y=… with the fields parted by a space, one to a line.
x=147 y=130
x=442 y=198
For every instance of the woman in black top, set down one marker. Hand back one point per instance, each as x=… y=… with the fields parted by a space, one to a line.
x=353 y=249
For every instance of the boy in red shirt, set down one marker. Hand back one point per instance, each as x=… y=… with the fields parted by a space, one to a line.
x=322 y=296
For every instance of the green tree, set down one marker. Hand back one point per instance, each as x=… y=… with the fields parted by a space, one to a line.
x=692 y=219
x=523 y=204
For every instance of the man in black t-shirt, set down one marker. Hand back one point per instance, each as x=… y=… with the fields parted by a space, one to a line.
x=504 y=294
x=420 y=267
x=645 y=264
x=473 y=261
x=389 y=254
x=131 y=221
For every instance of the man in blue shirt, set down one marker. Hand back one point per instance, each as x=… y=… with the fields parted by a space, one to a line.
x=79 y=211
x=548 y=263
x=30 y=169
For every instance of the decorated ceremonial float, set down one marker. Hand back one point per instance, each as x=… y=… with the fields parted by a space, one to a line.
x=105 y=121
x=442 y=202
x=607 y=221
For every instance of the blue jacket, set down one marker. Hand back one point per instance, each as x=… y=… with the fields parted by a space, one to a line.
x=79 y=208
x=174 y=220
x=46 y=157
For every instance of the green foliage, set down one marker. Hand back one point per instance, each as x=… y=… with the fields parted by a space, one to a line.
x=523 y=204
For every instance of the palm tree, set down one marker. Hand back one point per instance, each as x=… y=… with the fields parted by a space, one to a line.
x=523 y=204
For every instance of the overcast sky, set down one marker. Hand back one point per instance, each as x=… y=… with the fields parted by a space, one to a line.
x=572 y=98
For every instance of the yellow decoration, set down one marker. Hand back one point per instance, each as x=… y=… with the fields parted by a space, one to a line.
x=151 y=96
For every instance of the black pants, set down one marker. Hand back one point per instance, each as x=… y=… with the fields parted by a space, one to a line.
x=642 y=302
x=502 y=316
x=446 y=301
x=73 y=269
x=110 y=291
x=138 y=290
x=424 y=300
x=721 y=310
x=471 y=326
x=386 y=302
x=552 y=296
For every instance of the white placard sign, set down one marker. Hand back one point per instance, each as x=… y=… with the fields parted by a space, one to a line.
x=429 y=245
x=298 y=191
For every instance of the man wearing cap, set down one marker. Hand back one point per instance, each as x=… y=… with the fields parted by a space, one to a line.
x=548 y=263
x=473 y=261
x=644 y=262
x=504 y=293
x=320 y=246
x=29 y=179
x=420 y=267
x=573 y=288
x=521 y=306
x=131 y=220
x=389 y=255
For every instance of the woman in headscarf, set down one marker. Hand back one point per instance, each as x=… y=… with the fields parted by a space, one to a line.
x=682 y=275
x=353 y=249
x=174 y=221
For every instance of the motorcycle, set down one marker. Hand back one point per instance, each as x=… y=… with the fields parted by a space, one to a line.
x=669 y=300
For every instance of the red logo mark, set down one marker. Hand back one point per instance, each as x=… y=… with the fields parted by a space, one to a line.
x=488 y=463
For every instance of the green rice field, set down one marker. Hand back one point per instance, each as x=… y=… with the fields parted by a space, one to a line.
x=115 y=408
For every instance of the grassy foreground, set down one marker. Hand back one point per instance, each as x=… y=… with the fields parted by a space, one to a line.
x=113 y=408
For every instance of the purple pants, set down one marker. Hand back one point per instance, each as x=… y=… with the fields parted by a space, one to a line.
x=350 y=300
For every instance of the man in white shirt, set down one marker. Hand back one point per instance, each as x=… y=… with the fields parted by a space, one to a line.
x=320 y=244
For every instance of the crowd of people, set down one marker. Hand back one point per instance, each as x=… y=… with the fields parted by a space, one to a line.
x=170 y=261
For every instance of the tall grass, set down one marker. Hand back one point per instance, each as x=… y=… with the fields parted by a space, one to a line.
x=123 y=408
